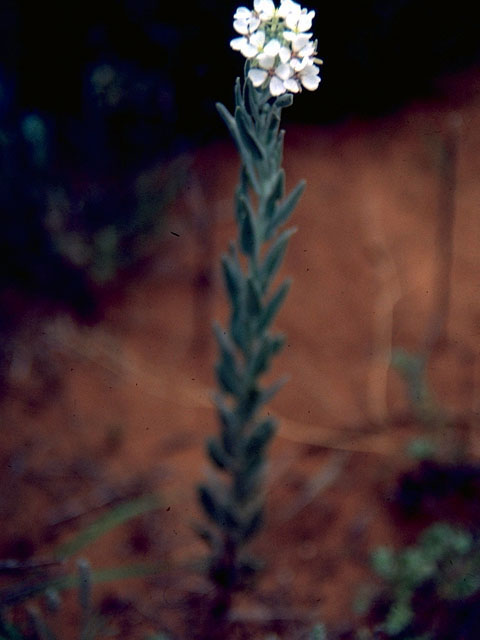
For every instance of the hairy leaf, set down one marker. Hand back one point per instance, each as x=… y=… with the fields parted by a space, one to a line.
x=273 y=306
x=217 y=454
x=274 y=256
x=247 y=132
x=248 y=236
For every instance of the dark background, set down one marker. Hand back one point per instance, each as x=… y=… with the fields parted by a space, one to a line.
x=94 y=93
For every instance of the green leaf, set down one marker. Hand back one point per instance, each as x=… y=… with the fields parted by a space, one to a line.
x=226 y=347
x=273 y=306
x=253 y=525
x=398 y=618
x=110 y=520
x=244 y=151
x=227 y=378
x=229 y=121
x=248 y=481
x=238 y=93
x=254 y=303
x=284 y=101
x=229 y=424
x=274 y=191
x=285 y=209
x=248 y=235
x=21 y=592
x=272 y=125
x=211 y=505
x=242 y=207
x=278 y=148
x=260 y=437
x=220 y=514
x=238 y=328
x=269 y=346
x=267 y=394
x=252 y=99
x=247 y=132
x=274 y=256
x=233 y=278
x=217 y=454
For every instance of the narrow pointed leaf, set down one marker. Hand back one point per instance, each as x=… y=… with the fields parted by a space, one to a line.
x=227 y=378
x=284 y=101
x=238 y=328
x=274 y=192
x=247 y=483
x=233 y=278
x=253 y=525
x=285 y=209
x=248 y=239
x=227 y=349
x=238 y=93
x=260 y=437
x=267 y=394
x=212 y=507
x=268 y=348
x=244 y=151
x=246 y=131
x=254 y=304
x=243 y=207
x=274 y=257
x=217 y=455
x=273 y=306
x=252 y=99
x=110 y=520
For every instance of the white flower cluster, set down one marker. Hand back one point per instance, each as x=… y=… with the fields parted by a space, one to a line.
x=276 y=43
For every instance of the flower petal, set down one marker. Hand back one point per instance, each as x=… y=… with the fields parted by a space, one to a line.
x=242 y=13
x=289 y=35
x=237 y=43
x=283 y=71
x=272 y=48
x=276 y=86
x=310 y=81
x=254 y=23
x=291 y=85
x=248 y=50
x=257 y=39
x=265 y=9
x=287 y=7
x=265 y=61
x=285 y=54
x=305 y=21
x=241 y=26
x=257 y=76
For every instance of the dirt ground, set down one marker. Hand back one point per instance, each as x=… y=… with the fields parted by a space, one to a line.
x=101 y=412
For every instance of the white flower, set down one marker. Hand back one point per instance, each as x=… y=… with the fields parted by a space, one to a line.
x=281 y=54
x=299 y=22
x=309 y=77
x=245 y=21
x=278 y=75
x=264 y=9
x=303 y=51
x=254 y=45
x=288 y=7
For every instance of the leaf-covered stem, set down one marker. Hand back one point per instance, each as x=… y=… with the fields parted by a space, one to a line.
x=247 y=345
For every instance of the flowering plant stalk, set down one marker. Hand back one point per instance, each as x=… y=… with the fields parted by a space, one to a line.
x=280 y=61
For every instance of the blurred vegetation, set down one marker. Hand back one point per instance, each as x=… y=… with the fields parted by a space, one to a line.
x=431 y=588
x=31 y=590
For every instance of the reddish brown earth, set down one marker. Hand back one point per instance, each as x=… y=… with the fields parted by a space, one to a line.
x=103 y=412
